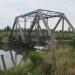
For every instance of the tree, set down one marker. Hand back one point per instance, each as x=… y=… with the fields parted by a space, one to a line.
x=7 y=28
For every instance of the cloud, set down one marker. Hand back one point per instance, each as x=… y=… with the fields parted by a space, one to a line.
x=2 y=2
x=11 y=8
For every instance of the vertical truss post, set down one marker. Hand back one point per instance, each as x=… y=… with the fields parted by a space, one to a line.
x=21 y=33
x=38 y=30
x=41 y=33
x=25 y=26
x=16 y=30
x=47 y=32
x=35 y=29
x=63 y=28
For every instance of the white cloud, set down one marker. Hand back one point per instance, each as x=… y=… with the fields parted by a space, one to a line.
x=3 y=2
x=10 y=8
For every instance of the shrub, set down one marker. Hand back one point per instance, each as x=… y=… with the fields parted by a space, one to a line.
x=73 y=38
x=36 y=57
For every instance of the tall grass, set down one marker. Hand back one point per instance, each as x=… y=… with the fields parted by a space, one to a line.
x=65 y=63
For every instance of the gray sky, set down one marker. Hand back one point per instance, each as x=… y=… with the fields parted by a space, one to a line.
x=11 y=8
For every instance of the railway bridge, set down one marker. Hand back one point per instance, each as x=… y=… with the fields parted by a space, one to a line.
x=34 y=20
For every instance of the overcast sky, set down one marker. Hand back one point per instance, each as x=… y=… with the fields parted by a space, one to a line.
x=11 y=8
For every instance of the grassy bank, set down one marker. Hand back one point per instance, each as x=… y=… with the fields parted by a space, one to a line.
x=67 y=35
x=40 y=63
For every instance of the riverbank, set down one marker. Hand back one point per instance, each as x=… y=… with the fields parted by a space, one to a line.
x=65 y=63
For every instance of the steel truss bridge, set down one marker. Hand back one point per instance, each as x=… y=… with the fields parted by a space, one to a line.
x=32 y=19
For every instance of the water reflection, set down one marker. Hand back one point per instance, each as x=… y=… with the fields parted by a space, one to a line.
x=13 y=55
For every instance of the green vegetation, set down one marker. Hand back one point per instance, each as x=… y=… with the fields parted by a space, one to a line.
x=4 y=34
x=39 y=63
x=34 y=67
x=67 y=35
x=73 y=38
x=36 y=57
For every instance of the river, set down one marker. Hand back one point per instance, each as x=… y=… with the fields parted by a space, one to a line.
x=12 y=53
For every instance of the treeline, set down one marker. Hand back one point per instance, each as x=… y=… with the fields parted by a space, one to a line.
x=59 y=35
x=8 y=28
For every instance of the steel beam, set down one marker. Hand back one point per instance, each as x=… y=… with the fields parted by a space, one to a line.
x=39 y=25
x=21 y=33
x=45 y=23
x=63 y=28
x=73 y=29
x=31 y=27
x=49 y=11
x=12 y=28
x=27 y=14
x=51 y=16
x=57 y=23
x=24 y=26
